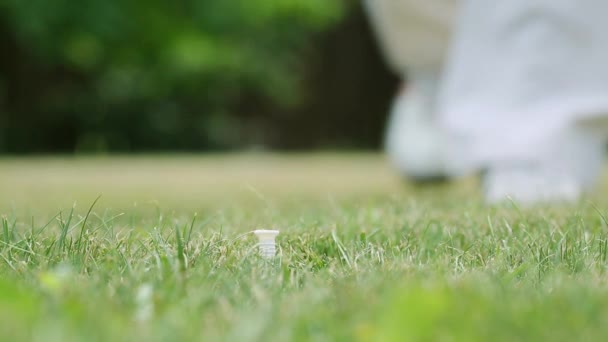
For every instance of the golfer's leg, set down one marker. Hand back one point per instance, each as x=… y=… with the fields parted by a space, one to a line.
x=414 y=142
x=414 y=35
x=520 y=78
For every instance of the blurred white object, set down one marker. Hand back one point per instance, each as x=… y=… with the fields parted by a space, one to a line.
x=414 y=143
x=523 y=92
x=569 y=166
x=267 y=244
x=414 y=34
x=519 y=73
x=526 y=83
x=529 y=185
x=144 y=302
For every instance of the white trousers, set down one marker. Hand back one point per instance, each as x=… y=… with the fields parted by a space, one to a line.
x=517 y=74
x=414 y=34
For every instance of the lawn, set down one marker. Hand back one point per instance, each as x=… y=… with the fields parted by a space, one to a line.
x=160 y=249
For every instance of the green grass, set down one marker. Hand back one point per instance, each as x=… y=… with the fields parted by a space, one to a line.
x=166 y=254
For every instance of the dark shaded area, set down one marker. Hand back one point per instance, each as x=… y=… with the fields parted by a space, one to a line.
x=348 y=90
x=325 y=87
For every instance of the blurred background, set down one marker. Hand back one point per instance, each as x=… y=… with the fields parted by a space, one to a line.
x=99 y=76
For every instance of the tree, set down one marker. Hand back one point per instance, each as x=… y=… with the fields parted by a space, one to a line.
x=132 y=74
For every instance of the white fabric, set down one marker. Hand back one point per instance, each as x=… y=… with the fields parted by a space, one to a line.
x=414 y=34
x=414 y=143
x=523 y=91
x=519 y=72
x=569 y=166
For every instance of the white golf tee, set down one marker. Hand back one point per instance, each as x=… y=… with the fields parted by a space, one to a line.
x=267 y=243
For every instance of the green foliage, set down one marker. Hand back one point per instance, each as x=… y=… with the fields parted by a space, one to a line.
x=149 y=69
